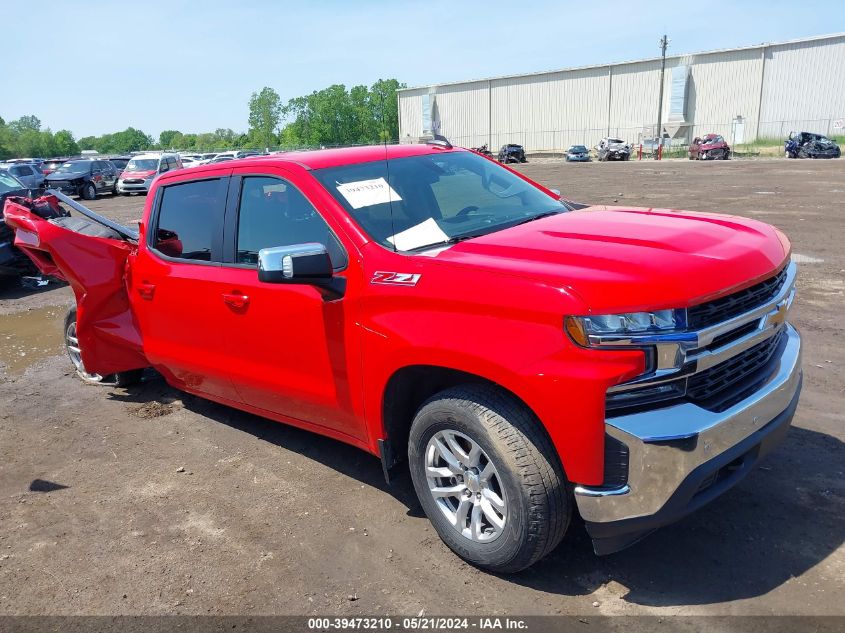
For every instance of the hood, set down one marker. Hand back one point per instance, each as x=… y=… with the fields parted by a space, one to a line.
x=714 y=145
x=66 y=175
x=623 y=259
x=143 y=173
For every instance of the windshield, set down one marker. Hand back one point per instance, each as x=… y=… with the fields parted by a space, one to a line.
x=421 y=201
x=713 y=139
x=9 y=183
x=577 y=148
x=74 y=166
x=142 y=164
x=616 y=141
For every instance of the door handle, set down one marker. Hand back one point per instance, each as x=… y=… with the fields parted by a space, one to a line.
x=236 y=300
x=146 y=290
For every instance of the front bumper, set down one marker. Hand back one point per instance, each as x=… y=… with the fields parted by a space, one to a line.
x=141 y=187
x=673 y=474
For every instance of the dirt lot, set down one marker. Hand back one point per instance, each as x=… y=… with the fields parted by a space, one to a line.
x=98 y=517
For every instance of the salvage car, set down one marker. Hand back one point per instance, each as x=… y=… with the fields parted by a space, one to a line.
x=83 y=177
x=29 y=174
x=578 y=154
x=51 y=165
x=610 y=148
x=809 y=145
x=512 y=153
x=143 y=169
x=430 y=306
x=709 y=147
x=13 y=261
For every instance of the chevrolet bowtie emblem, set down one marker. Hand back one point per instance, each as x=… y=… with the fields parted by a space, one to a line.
x=778 y=315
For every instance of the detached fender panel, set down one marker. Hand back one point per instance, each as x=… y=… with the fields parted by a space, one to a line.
x=97 y=269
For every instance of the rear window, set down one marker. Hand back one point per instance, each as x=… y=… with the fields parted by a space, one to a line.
x=188 y=217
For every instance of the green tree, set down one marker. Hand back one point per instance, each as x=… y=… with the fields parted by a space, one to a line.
x=65 y=145
x=166 y=138
x=29 y=143
x=87 y=142
x=386 y=108
x=336 y=116
x=265 y=110
x=28 y=122
x=5 y=149
x=129 y=140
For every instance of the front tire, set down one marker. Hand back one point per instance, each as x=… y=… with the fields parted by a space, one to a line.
x=488 y=478
x=74 y=352
x=89 y=191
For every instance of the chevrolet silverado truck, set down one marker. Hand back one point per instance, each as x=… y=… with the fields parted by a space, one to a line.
x=527 y=356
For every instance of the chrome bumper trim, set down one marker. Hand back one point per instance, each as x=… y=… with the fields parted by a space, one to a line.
x=657 y=468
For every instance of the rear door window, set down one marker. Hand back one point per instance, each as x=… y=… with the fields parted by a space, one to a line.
x=189 y=222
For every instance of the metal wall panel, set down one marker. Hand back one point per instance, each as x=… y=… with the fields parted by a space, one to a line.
x=550 y=112
x=799 y=84
x=804 y=87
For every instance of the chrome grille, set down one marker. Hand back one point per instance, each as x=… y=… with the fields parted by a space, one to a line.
x=724 y=308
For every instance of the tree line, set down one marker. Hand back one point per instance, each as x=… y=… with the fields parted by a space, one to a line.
x=329 y=117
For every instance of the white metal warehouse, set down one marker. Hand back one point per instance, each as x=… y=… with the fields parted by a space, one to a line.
x=744 y=93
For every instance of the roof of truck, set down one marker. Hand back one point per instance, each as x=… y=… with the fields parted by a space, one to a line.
x=318 y=159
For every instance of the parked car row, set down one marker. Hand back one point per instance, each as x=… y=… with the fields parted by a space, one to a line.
x=711 y=147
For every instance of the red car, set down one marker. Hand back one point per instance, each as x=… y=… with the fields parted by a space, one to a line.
x=709 y=147
x=528 y=357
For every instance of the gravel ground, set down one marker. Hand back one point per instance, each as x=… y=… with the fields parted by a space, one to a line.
x=150 y=501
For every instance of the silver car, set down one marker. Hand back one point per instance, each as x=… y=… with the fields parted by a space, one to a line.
x=29 y=174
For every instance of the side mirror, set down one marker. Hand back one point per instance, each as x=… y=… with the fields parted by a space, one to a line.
x=297 y=264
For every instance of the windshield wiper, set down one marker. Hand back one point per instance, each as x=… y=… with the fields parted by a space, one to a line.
x=461 y=237
x=539 y=216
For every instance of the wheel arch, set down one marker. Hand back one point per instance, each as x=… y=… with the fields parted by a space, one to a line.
x=409 y=387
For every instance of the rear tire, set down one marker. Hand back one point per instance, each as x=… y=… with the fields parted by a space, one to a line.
x=74 y=353
x=493 y=487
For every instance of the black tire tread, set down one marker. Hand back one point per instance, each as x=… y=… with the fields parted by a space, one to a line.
x=121 y=379
x=538 y=468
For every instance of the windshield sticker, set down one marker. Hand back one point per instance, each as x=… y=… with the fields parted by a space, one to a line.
x=423 y=234
x=366 y=193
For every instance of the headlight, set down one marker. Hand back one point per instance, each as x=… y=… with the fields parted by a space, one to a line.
x=588 y=331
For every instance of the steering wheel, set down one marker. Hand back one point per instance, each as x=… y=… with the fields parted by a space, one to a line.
x=466 y=211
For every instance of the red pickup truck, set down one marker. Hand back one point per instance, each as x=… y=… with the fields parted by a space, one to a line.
x=528 y=357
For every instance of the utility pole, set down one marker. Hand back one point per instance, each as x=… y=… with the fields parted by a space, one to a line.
x=664 y=42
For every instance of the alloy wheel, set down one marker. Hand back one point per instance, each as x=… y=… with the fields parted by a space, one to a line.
x=466 y=486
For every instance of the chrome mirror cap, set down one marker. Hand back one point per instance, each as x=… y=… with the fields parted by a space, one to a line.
x=298 y=263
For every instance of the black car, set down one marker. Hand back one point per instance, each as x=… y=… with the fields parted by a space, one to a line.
x=809 y=145
x=578 y=154
x=12 y=261
x=512 y=153
x=120 y=163
x=84 y=177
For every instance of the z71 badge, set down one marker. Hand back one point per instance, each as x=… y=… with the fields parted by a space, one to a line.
x=395 y=279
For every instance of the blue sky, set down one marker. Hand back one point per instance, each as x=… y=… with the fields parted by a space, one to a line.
x=192 y=66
